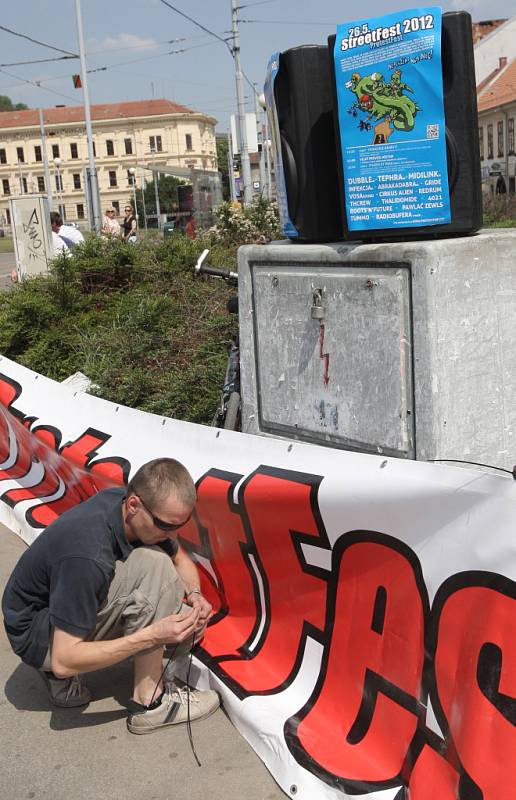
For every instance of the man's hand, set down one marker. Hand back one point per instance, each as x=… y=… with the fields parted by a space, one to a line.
x=204 y=608
x=177 y=627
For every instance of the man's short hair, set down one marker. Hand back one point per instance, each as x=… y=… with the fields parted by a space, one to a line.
x=157 y=479
x=56 y=218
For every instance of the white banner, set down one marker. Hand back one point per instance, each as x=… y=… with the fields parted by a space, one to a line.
x=363 y=636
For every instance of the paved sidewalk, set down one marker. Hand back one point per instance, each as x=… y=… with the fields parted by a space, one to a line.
x=64 y=754
x=7 y=263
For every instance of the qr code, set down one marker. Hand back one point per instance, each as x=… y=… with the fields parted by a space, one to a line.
x=432 y=131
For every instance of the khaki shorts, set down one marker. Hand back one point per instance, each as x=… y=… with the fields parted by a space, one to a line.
x=145 y=587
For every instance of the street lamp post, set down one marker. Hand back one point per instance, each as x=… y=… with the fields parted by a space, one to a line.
x=132 y=173
x=57 y=164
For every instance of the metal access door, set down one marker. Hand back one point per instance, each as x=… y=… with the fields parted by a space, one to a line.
x=333 y=349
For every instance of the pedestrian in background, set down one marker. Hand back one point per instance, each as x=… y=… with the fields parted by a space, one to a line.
x=110 y=224
x=129 y=225
x=67 y=233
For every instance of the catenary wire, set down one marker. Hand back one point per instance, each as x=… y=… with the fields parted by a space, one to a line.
x=36 y=61
x=35 y=41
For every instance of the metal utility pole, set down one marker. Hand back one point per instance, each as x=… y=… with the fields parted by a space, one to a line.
x=48 y=181
x=95 y=223
x=268 y=161
x=232 y=189
x=156 y=189
x=259 y=125
x=241 y=123
x=142 y=188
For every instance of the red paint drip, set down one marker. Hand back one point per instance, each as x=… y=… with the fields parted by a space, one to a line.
x=324 y=356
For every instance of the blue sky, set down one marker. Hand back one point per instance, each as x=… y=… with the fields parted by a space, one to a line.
x=133 y=39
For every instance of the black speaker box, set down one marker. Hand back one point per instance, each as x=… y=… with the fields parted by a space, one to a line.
x=303 y=96
x=462 y=146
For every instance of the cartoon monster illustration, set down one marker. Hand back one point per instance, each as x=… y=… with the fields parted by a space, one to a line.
x=396 y=86
x=380 y=99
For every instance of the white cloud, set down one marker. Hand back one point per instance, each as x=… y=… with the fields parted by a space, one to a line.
x=124 y=41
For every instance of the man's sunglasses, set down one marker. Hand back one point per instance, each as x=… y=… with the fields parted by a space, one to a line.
x=161 y=524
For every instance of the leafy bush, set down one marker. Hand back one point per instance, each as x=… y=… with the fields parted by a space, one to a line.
x=134 y=318
x=234 y=226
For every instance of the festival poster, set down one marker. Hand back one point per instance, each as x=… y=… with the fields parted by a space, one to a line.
x=391 y=118
x=287 y=226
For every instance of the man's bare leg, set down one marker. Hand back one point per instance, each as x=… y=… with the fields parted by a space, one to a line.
x=148 y=683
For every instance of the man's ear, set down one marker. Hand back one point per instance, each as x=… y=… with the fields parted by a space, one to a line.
x=132 y=503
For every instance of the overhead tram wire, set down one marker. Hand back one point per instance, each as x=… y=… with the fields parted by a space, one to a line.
x=35 y=41
x=37 y=84
x=177 y=40
x=36 y=61
x=198 y=24
x=101 y=69
x=285 y=22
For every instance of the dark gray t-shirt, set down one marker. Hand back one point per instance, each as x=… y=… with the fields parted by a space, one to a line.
x=63 y=578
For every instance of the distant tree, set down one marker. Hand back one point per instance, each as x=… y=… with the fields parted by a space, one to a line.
x=6 y=104
x=222 y=158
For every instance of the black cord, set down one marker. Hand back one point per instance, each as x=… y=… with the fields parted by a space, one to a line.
x=475 y=463
x=163 y=673
x=188 y=720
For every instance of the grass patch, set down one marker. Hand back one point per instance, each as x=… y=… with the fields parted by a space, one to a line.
x=6 y=245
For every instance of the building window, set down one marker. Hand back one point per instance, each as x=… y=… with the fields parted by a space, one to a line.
x=3 y=156
x=128 y=147
x=19 y=154
x=481 y=142
x=74 y=153
x=8 y=216
x=500 y=138
x=59 y=183
x=80 y=211
x=490 y=140
x=24 y=185
x=112 y=178
x=155 y=144
x=5 y=185
x=37 y=153
x=130 y=178
x=55 y=151
x=116 y=206
x=510 y=136
x=110 y=147
x=188 y=138
x=41 y=183
x=76 y=180
x=94 y=149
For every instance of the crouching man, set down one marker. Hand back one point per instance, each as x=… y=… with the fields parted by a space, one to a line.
x=108 y=580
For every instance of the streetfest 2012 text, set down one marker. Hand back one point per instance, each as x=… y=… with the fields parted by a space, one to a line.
x=385 y=652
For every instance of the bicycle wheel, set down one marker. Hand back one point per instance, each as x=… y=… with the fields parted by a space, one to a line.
x=232 y=410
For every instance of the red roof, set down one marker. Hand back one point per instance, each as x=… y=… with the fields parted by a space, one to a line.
x=485 y=27
x=501 y=91
x=105 y=111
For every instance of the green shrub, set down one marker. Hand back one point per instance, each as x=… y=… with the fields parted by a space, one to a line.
x=234 y=226
x=134 y=318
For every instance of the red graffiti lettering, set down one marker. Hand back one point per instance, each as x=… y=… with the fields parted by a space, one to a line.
x=280 y=515
x=359 y=724
x=4 y=438
x=228 y=551
x=475 y=671
x=433 y=778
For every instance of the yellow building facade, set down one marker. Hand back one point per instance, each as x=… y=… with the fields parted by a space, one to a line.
x=130 y=140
